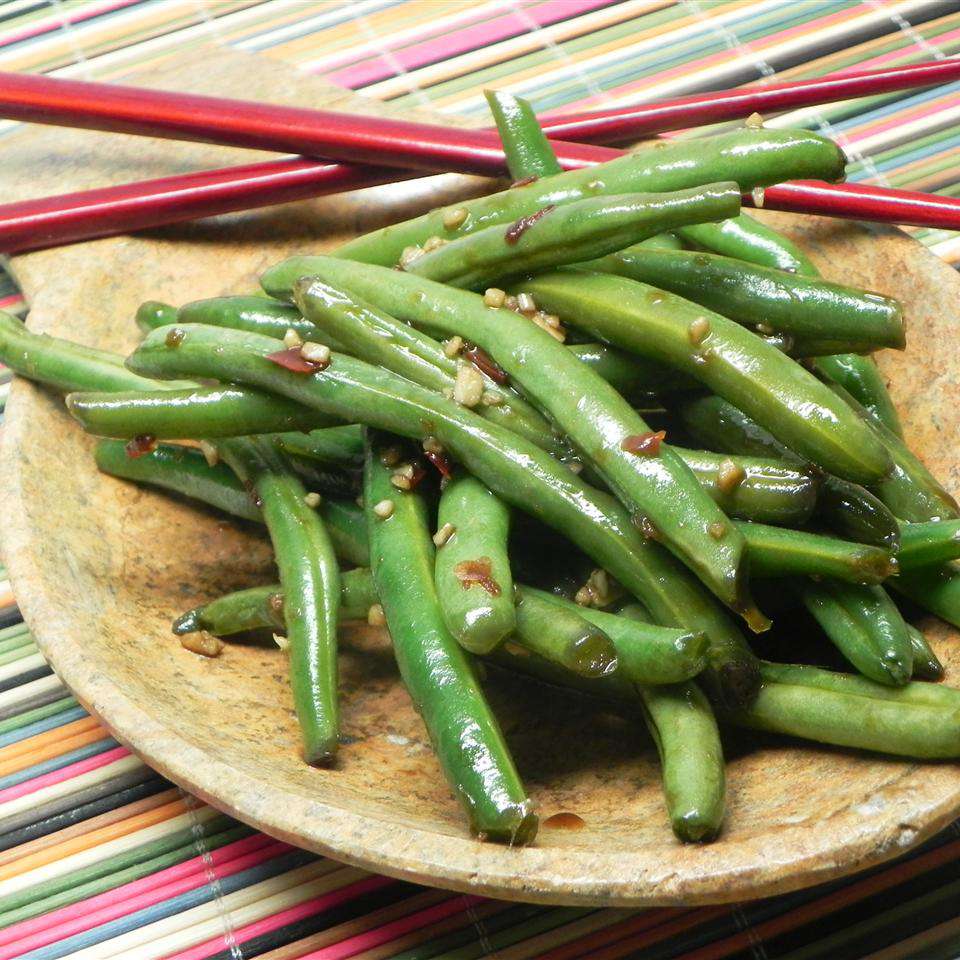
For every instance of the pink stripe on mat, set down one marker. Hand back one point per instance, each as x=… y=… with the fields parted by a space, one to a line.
x=463 y=41
x=390 y=931
x=196 y=867
x=124 y=906
x=55 y=22
x=308 y=908
x=64 y=773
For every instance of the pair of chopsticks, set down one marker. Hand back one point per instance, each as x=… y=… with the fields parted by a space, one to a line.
x=376 y=150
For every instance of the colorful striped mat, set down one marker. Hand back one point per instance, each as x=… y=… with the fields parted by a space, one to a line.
x=102 y=858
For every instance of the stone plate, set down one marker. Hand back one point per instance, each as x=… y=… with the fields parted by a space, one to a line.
x=100 y=567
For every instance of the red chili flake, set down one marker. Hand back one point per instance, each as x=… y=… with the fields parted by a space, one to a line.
x=479 y=571
x=644 y=444
x=418 y=474
x=525 y=182
x=518 y=229
x=485 y=364
x=141 y=445
x=441 y=461
x=294 y=361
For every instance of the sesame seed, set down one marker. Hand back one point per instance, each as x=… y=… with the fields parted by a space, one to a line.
x=210 y=453
x=595 y=185
x=490 y=399
x=452 y=347
x=281 y=641
x=408 y=255
x=758 y=195
x=754 y=121
x=390 y=456
x=383 y=509
x=292 y=340
x=555 y=331
x=583 y=597
x=313 y=500
x=315 y=352
x=432 y=445
x=452 y=219
x=717 y=530
x=444 y=534
x=401 y=482
x=375 y=616
x=575 y=466
x=433 y=243
x=510 y=303
x=494 y=297
x=206 y=644
x=729 y=476
x=468 y=387
x=405 y=470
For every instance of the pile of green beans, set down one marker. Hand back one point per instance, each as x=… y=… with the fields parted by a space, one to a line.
x=478 y=375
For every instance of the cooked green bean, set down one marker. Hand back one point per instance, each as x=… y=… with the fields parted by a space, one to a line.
x=474 y=582
x=525 y=145
x=581 y=230
x=201 y=413
x=311 y=588
x=261 y=607
x=908 y=489
x=926 y=664
x=744 y=238
x=335 y=445
x=321 y=478
x=928 y=544
x=768 y=300
x=663 y=241
x=762 y=489
x=865 y=626
x=777 y=392
x=253 y=314
x=595 y=417
x=867 y=722
x=860 y=377
x=562 y=635
x=153 y=313
x=631 y=376
x=519 y=472
x=185 y=470
x=846 y=507
x=694 y=783
x=644 y=653
x=936 y=589
x=62 y=364
x=776 y=552
x=378 y=338
x=435 y=669
x=750 y=157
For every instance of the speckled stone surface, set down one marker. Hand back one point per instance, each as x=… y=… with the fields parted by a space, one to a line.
x=100 y=568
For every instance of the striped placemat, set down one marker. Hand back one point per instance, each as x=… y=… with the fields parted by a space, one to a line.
x=102 y=858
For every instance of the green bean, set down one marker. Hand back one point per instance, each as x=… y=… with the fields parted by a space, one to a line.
x=262 y=607
x=851 y=684
x=62 y=364
x=846 y=507
x=762 y=489
x=378 y=338
x=908 y=489
x=516 y=470
x=663 y=241
x=562 y=635
x=865 y=626
x=744 y=238
x=474 y=582
x=926 y=664
x=185 y=470
x=913 y=730
x=253 y=314
x=632 y=377
x=775 y=552
x=201 y=413
x=860 y=377
x=936 y=589
x=311 y=588
x=750 y=157
x=634 y=611
x=644 y=653
x=768 y=300
x=768 y=386
x=581 y=230
x=336 y=445
x=597 y=419
x=525 y=145
x=436 y=671
x=928 y=544
x=684 y=729
x=152 y=313
x=321 y=478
